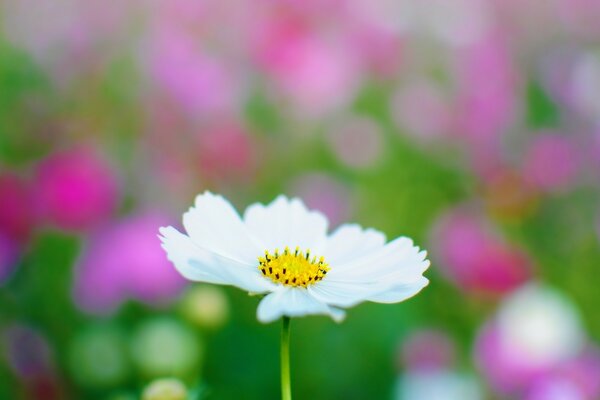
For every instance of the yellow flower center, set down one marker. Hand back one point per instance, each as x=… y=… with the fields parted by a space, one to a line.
x=295 y=268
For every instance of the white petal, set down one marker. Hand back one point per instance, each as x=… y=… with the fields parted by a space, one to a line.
x=350 y=241
x=293 y=302
x=198 y=264
x=393 y=263
x=389 y=273
x=342 y=294
x=286 y=222
x=400 y=292
x=214 y=225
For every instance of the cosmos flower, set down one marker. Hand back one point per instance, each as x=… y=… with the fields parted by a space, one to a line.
x=536 y=330
x=475 y=257
x=76 y=189
x=123 y=261
x=283 y=250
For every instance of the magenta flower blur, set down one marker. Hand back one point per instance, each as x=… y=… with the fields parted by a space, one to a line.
x=317 y=76
x=16 y=216
x=472 y=256
x=197 y=81
x=503 y=366
x=9 y=252
x=583 y=371
x=576 y=379
x=76 y=189
x=378 y=47
x=125 y=261
x=487 y=94
x=535 y=332
x=552 y=162
x=16 y=221
x=486 y=102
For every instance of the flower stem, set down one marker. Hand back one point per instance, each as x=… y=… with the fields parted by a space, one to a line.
x=286 y=388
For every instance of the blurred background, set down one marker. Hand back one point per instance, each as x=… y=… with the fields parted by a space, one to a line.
x=472 y=126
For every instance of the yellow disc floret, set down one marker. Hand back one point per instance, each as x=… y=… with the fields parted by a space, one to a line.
x=295 y=268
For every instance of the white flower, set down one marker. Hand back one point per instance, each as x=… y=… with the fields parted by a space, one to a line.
x=541 y=325
x=283 y=249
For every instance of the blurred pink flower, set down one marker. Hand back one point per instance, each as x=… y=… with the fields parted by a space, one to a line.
x=9 y=252
x=125 y=260
x=324 y=193
x=575 y=379
x=200 y=82
x=487 y=96
x=16 y=221
x=583 y=372
x=318 y=76
x=428 y=350
x=487 y=80
x=76 y=189
x=379 y=49
x=554 y=388
x=551 y=162
x=509 y=371
x=16 y=216
x=475 y=258
x=504 y=367
x=536 y=332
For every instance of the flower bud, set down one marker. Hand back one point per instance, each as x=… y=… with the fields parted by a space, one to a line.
x=165 y=389
x=206 y=306
x=163 y=346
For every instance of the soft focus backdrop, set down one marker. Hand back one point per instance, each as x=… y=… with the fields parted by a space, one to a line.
x=472 y=126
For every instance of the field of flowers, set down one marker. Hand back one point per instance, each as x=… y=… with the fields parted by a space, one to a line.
x=471 y=126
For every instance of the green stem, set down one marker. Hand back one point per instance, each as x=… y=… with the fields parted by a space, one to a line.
x=286 y=387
